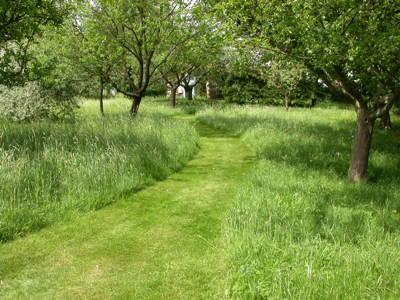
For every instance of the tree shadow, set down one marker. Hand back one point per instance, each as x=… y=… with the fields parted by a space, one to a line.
x=317 y=147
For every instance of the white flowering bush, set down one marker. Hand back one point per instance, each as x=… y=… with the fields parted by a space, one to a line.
x=36 y=100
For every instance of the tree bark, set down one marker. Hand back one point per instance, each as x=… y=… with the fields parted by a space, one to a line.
x=287 y=101
x=188 y=93
x=361 y=146
x=313 y=102
x=101 y=98
x=386 y=123
x=135 y=105
x=173 y=97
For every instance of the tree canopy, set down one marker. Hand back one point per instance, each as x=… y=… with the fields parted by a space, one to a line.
x=352 y=46
x=21 y=21
x=144 y=35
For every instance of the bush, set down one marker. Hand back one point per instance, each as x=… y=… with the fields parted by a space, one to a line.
x=244 y=89
x=156 y=90
x=36 y=100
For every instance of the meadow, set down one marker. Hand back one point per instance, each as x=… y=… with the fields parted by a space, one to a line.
x=51 y=170
x=297 y=229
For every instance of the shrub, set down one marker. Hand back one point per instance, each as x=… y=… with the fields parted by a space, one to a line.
x=37 y=100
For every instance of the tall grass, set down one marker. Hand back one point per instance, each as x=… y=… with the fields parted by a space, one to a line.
x=297 y=229
x=49 y=170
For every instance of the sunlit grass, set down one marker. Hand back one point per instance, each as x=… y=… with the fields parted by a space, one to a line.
x=162 y=242
x=52 y=169
x=298 y=229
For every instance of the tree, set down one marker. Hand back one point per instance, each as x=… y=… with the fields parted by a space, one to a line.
x=174 y=80
x=145 y=34
x=193 y=78
x=86 y=50
x=196 y=57
x=352 y=46
x=21 y=21
x=183 y=63
x=284 y=76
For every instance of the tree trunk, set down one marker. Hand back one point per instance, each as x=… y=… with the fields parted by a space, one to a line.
x=101 y=98
x=386 y=123
x=361 y=146
x=173 y=97
x=135 y=105
x=287 y=101
x=188 y=93
x=313 y=102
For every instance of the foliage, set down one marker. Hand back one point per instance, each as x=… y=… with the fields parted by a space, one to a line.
x=37 y=100
x=296 y=229
x=21 y=22
x=337 y=37
x=156 y=90
x=139 y=37
x=245 y=89
x=284 y=76
x=195 y=57
x=353 y=47
x=52 y=169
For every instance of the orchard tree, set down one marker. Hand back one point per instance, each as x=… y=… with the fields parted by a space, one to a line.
x=145 y=34
x=352 y=46
x=21 y=22
x=193 y=78
x=87 y=50
x=197 y=56
x=285 y=76
x=174 y=79
x=196 y=61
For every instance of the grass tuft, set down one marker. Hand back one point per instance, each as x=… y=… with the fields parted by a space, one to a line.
x=49 y=170
x=297 y=229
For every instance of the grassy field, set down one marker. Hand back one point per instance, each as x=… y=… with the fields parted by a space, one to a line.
x=297 y=229
x=162 y=242
x=49 y=170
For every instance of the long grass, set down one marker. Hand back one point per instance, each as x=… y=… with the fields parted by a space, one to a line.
x=49 y=170
x=297 y=229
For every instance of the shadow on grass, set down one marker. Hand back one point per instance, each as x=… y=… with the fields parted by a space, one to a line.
x=317 y=147
x=209 y=132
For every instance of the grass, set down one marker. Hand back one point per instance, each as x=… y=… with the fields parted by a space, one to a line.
x=297 y=229
x=163 y=242
x=294 y=229
x=50 y=170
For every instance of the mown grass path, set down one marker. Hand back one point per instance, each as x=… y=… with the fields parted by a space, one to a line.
x=164 y=242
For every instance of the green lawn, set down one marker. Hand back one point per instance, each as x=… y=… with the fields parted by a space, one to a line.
x=164 y=242
x=277 y=222
x=297 y=229
x=51 y=170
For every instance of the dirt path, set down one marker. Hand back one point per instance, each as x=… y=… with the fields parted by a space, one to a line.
x=164 y=242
